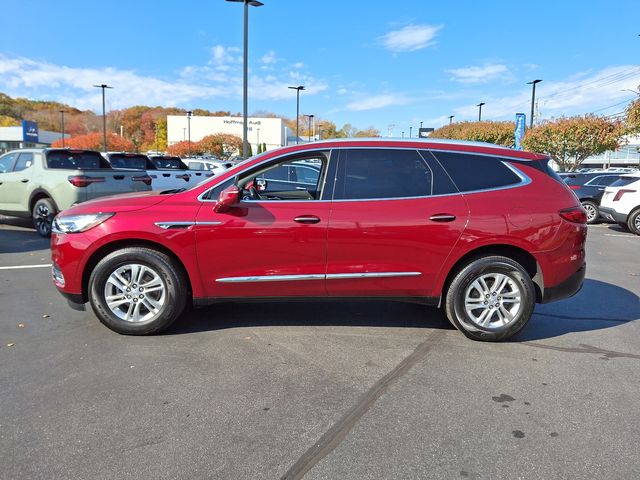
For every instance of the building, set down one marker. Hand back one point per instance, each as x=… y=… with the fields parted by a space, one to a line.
x=26 y=136
x=270 y=131
x=628 y=155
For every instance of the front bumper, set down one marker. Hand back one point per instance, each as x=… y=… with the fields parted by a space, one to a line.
x=567 y=288
x=611 y=214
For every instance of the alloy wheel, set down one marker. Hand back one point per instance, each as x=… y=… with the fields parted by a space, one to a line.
x=492 y=300
x=135 y=293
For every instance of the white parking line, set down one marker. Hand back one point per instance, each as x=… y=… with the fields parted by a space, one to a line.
x=618 y=235
x=18 y=267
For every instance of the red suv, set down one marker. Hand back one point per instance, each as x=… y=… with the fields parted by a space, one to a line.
x=481 y=230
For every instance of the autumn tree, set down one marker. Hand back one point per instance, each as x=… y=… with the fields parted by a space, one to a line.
x=182 y=149
x=500 y=133
x=94 y=141
x=221 y=145
x=569 y=141
x=368 y=132
x=632 y=118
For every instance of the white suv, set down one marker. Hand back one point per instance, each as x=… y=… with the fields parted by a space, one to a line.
x=621 y=202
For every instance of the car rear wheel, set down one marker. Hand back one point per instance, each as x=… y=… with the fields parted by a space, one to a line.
x=633 y=221
x=137 y=291
x=43 y=214
x=593 y=212
x=490 y=299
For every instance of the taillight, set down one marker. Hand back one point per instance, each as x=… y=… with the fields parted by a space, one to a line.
x=146 y=179
x=621 y=192
x=84 y=181
x=574 y=187
x=574 y=214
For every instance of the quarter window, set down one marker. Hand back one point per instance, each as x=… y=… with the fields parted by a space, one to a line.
x=25 y=160
x=472 y=172
x=382 y=173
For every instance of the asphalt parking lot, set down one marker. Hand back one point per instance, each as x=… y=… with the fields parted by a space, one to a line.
x=324 y=391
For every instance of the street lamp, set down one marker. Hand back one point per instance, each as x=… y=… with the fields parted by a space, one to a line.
x=258 y=147
x=310 y=117
x=533 y=99
x=245 y=75
x=189 y=113
x=410 y=131
x=451 y=119
x=297 y=89
x=480 y=110
x=62 y=126
x=104 y=116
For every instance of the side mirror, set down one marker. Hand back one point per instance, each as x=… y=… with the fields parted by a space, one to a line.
x=261 y=184
x=227 y=199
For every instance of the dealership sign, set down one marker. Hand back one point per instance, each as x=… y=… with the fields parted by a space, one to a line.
x=29 y=131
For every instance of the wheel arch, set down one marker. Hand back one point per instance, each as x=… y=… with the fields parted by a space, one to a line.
x=517 y=254
x=38 y=194
x=110 y=247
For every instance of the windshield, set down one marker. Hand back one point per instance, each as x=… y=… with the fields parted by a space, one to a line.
x=123 y=160
x=79 y=160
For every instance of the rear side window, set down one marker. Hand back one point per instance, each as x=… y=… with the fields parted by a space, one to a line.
x=471 y=172
x=382 y=173
x=624 y=181
x=25 y=160
x=128 y=161
x=603 y=180
x=76 y=160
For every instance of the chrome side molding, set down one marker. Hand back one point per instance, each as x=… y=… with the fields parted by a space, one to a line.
x=315 y=276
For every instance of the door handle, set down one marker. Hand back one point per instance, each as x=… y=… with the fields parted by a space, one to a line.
x=24 y=180
x=307 y=219
x=442 y=217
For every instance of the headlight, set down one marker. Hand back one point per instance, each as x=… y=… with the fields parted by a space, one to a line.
x=78 y=223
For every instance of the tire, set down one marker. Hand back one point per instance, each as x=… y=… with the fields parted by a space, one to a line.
x=465 y=307
x=149 y=311
x=633 y=221
x=43 y=213
x=593 y=211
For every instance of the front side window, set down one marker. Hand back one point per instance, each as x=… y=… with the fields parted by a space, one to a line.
x=25 y=160
x=6 y=162
x=76 y=160
x=382 y=174
x=603 y=180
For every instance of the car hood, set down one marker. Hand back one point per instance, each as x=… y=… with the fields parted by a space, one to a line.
x=126 y=202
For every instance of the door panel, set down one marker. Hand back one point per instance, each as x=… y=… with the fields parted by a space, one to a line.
x=263 y=239
x=15 y=184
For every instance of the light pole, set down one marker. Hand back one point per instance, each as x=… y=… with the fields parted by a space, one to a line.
x=310 y=117
x=402 y=134
x=258 y=147
x=480 y=110
x=245 y=75
x=104 y=116
x=297 y=89
x=189 y=113
x=410 y=131
x=451 y=119
x=533 y=98
x=62 y=126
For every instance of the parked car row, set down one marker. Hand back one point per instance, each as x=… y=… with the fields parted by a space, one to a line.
x=39 y=183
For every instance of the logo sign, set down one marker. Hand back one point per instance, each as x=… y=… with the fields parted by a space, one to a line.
x=29 y=131
x=425 y=132
x=521 y=121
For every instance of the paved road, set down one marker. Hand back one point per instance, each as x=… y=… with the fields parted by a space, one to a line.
x=346 y=391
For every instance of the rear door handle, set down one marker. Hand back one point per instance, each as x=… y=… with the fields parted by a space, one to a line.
x=307 y=219
x=24 y=180
x=442 y=217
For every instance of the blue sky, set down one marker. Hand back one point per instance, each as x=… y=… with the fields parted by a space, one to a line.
x=375 y=63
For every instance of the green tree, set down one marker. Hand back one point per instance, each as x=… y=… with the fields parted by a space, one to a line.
x=632 y=118
x=569 y=141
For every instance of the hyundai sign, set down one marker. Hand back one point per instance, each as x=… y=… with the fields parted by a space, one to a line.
x=29 y=131
x=521 y=121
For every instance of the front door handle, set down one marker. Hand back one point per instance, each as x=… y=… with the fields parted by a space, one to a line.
x=307 y=219
x=442 y=217
x=24 y=180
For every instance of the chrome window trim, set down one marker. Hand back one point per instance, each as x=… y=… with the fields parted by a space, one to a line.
x=315 y=276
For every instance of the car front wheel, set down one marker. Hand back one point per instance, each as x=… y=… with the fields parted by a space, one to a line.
x=137 y=291
x=490 y=299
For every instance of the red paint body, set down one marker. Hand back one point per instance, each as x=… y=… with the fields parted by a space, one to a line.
x=396 y=235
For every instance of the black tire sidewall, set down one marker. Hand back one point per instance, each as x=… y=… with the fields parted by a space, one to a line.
x=52 y=213
x=455 y=298
x=631 y=225
x=163 y=265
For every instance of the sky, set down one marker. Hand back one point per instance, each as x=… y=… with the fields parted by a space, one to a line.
x=388 y=64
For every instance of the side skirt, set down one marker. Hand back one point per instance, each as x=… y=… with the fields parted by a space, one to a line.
x=203 y=302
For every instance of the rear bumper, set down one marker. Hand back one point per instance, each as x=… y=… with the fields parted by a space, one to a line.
x=611 y=214
x=567 y=288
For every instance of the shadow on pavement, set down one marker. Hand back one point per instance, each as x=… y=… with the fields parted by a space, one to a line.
x=597 y=306
x=19 y=241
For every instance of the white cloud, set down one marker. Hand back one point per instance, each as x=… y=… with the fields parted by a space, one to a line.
x=298 y=65
x=269 y=58
x=481 y=74
x=410 y=38
x=378 y=101
x=224 y=58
